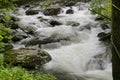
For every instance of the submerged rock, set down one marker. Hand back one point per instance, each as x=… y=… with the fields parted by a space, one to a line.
x=72 y=23
x=27 y=57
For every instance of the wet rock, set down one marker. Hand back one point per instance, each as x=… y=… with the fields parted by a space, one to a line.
x=88 y=26
x=18 y=35
x=105 y=26
x=104 y=36
x=27 y=57
x=73 y=23
x=30 y=30
x=40 y=41
x=52 y=10
x=54 y=23
x=69 y=11
x=32 y=12
x=14 y=18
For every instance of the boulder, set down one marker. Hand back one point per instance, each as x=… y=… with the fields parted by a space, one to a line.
x=32 y=12
x=27 y=57
x=39 y=41
x=52 y=10
x=54 y=22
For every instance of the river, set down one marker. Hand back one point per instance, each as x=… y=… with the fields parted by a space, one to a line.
x=78 y=55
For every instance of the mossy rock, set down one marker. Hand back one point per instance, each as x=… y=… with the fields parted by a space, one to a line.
x=27 y=57
x=52 y=10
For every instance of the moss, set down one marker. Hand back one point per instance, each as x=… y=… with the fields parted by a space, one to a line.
x=10 y=57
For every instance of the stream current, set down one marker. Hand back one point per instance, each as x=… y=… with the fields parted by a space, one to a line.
x=78 y=54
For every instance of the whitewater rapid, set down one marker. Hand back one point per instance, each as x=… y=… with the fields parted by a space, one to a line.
x=73 y=59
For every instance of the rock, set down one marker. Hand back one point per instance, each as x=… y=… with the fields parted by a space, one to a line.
x=52 y=10
x=70 y=2
x=27 y=57
x=12 y=25
x=69 y=11
x=104 y=36
x=14 y=18
x=54 y=23
x=18 y=35
x=30 y=29
x=66 y=2
x=87 y=26
x=105 y=26
x=39 y=41
x=32 y=12
x=73 y=23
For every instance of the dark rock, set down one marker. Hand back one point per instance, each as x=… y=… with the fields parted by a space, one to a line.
x=17 y=36
x=99 y=19
x=12 y=25
x=54 y=22
x=105 y=26
x=26 y=57
x=104 y=36
x=32 y=12
x=69 y=11
x=27 y=6
x=53 y=10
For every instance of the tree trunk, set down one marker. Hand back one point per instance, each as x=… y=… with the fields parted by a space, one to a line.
x=116 y=40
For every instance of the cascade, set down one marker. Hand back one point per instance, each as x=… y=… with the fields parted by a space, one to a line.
x=77 y=53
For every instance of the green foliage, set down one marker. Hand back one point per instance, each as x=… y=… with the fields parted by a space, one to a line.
x=8 y=4
x=102 y=8
x=5 y=7
x=18 y=73
x=47 y=3
x=5 y=37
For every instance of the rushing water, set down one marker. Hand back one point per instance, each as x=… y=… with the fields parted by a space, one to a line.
x=82 y=56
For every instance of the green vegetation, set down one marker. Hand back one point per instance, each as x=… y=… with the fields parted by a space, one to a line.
x=5 y=7
x=18 y=73
x=102 y=8
x=47 y=3
x=5 y=37
x=7 y=72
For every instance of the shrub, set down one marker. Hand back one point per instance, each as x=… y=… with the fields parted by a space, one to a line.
x=102 y=8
